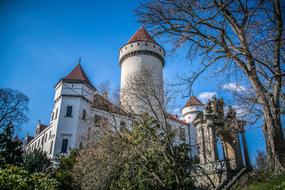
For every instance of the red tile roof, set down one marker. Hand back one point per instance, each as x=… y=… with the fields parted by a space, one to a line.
x=102 y=103
x=174 y=118
x=78 y=75
x=142 y=35
x=193 y=101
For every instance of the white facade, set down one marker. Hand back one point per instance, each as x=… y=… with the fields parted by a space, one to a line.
x=68 y=128
x=190 y=112
x=140 y=59
x=73 y=117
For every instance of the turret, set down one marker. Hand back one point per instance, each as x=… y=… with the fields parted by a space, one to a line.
x=192 y=107
x=141 y=57
x=73 y=97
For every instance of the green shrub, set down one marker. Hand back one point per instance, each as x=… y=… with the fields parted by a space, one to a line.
x=16 y=178
x=267 y=182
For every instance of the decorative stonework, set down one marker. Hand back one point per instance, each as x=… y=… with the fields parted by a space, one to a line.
x=142 y=52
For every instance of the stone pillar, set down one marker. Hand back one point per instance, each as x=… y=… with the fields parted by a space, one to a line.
x=224 y=150
x=245 y=150
x=212 y=144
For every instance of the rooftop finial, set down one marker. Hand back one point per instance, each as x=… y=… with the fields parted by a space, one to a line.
x=79 y=60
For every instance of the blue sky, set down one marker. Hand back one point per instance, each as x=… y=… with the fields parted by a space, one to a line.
x=41 y=41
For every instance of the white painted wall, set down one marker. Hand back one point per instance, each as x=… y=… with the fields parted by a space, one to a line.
x=190 y=112
x=134 y=68
x=80 y=97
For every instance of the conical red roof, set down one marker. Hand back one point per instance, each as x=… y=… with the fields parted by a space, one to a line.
x=142 y=35
x=78 y=75
x=193 y=101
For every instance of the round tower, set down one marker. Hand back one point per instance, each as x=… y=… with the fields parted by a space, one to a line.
x=141 y=61
x=192 y=107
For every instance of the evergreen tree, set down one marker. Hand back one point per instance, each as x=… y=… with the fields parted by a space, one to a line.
x=63 y=173
x=10 y=147
x=36 y=161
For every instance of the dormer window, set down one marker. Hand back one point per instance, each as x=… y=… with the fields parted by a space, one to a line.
x=68 y=111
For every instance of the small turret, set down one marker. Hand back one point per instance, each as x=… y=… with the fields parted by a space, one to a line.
x=192 y=107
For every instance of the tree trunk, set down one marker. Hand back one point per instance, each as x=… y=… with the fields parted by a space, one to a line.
x=272 y=128
x=275 y=144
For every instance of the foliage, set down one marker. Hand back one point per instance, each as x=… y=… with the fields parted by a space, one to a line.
x=266 y=182
x=63 y=172
x=13 y=177
x=36 y=161
x=10 y=147
x=13 y=107
x=144 y=158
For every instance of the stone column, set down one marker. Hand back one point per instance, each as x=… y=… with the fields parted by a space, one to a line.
x=245 y=150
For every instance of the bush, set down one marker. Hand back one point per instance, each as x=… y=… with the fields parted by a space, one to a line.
x=266 y=181
x=63 y=172
x=17 y=178
x=36 y=161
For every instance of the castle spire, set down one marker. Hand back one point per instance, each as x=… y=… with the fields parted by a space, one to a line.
x=142 y=35
x=78 y=75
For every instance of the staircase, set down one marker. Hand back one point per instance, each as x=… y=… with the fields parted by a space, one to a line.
x=230 y=182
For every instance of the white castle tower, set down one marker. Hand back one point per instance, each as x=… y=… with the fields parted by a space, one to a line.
x=192 y=107
x=141 y=58
x=73 y=97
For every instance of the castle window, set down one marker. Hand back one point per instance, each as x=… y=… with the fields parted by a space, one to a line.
x=138 y=44
x=182 y=135
x=64 y=145
x=49 y=136
x=132 y=45
x=68 y=111
x=153 y=46
x=46 y=137
x=56 y=112
x=52 y=115
x=100 y=121
x=125 y=47
x=84 y=114
x=123 y=126
x=146 y=44
x=50 y=149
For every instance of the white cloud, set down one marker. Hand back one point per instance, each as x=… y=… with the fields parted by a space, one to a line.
x=241 y=111
x=205 y=96
x=234 y=87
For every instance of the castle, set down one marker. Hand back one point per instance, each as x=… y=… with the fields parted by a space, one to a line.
x=77 y=103
x=78 y=107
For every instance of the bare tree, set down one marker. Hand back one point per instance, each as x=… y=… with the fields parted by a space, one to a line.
x=13 y=107
x=247 y=34
x=144 y=146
